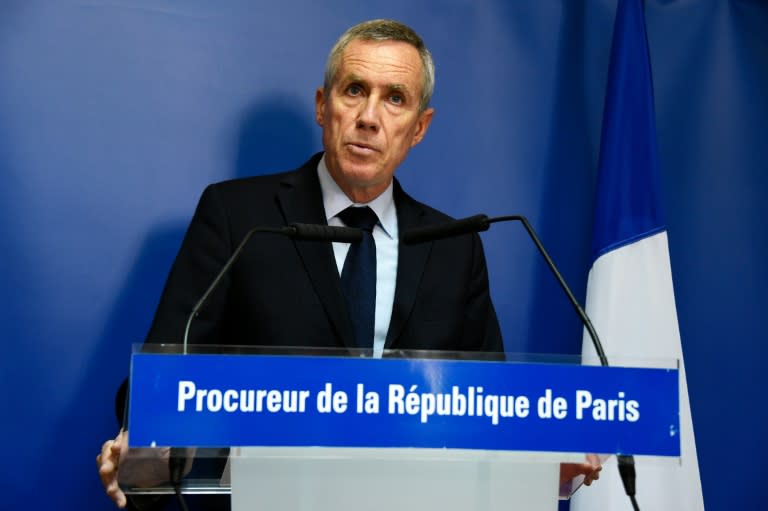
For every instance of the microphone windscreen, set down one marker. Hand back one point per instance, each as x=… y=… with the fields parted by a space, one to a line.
x=315 y=232
x=476 y=223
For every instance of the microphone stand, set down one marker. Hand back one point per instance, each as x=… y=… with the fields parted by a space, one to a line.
x=479 y=223
x=299 y=231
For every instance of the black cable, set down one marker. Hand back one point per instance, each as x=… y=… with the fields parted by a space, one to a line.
x=176 y=463
x=627 y=473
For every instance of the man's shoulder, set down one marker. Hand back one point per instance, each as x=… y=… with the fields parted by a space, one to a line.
x=434 y=214
x=418 y=211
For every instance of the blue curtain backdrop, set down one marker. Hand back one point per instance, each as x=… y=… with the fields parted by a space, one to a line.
x=114 y=115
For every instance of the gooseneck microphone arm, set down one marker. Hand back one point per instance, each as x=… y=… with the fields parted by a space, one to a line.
x=575 y=303
x=306 y=232
x=479 y=223
x=235 y=255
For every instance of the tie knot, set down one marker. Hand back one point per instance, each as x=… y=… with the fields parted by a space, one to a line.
x=360 y=218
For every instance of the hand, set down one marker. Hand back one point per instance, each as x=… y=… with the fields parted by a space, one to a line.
x=107 y=462
x=590 y=469
x=139 y=467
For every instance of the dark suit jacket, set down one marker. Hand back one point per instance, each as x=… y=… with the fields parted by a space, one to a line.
x=283 y=292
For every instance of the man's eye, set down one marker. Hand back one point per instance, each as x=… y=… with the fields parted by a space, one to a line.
x=397 y=99
x=354 y=90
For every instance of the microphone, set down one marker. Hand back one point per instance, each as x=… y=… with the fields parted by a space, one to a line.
x=297 y=231
x=316 y=232
x=479 y=223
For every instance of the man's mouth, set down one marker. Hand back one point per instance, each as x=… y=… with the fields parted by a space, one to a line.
x=361 y=148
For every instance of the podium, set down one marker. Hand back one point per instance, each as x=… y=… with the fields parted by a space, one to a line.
x=320 y=430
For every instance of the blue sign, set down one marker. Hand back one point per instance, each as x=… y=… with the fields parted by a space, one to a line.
x=247 y=400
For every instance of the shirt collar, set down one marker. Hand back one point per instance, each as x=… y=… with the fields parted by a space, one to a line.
x=335 y=201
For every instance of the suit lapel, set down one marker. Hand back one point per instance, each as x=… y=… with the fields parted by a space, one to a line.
x=411 y=261
x=300 y=200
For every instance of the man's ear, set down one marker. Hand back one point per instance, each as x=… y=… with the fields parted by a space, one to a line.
x=319 y=105
x=422 y=124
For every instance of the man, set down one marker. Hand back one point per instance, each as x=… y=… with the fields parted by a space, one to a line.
x=373 y=107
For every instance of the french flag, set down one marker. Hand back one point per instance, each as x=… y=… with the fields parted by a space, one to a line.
x=630 y=297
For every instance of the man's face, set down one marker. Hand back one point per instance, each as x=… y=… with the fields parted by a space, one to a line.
x=370 y=116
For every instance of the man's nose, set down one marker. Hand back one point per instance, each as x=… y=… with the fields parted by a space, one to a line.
x=369 y=117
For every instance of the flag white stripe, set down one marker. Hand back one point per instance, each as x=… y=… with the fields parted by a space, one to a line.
x=631 y=302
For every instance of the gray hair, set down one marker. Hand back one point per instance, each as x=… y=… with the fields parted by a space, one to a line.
x=384 y=30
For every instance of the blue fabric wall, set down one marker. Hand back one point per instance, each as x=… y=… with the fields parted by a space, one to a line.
x=114 y=115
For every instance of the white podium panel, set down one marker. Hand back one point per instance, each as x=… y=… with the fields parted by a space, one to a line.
x=333 y=479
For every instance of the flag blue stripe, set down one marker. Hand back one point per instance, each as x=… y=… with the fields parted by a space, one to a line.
x=628 y=203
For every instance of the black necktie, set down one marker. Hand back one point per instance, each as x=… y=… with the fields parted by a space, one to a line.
x=358 y=276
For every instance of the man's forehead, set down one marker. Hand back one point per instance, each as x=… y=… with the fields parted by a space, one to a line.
x=397 y=59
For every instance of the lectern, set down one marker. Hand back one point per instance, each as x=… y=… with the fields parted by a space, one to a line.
x=338 y=430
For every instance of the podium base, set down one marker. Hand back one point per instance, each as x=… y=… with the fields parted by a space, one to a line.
x=320 y=479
